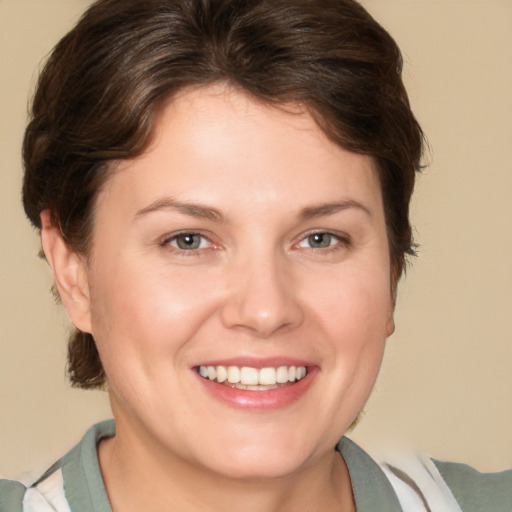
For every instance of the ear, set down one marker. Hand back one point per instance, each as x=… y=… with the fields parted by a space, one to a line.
x=394 y=277
x=390 y=329
x=69 y=273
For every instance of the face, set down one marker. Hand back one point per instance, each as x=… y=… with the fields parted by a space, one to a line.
x=242 y=247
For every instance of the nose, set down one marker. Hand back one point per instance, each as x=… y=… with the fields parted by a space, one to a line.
x=262 y=298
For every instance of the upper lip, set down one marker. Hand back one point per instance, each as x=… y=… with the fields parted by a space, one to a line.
x=255 y=362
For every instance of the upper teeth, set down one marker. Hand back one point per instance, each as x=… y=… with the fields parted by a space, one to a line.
x=253 y=376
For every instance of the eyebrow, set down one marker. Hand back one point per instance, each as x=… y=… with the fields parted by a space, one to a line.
x=311 y=212
x=190 y=209
x=195 y=210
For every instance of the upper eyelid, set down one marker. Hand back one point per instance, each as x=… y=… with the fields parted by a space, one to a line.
x=340 y=235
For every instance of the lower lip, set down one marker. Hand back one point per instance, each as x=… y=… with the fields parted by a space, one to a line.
x=259 y=400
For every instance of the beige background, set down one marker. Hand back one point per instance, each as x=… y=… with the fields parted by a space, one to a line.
x=446 y=386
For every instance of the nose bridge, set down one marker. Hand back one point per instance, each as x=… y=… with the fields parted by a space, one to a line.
x=262 y=294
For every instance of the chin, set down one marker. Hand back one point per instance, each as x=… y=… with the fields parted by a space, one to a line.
x=262 y=457
x=259 y=466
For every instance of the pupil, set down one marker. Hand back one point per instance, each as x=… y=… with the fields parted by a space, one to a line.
x=320 y=240
x=188 y=242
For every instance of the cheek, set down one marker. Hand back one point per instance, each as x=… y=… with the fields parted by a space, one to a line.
x=354 y=311
x=355 y=300
x=144 y=314
x=361 y=334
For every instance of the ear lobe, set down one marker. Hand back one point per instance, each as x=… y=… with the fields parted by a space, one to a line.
x=391 y=325
x=69 y=274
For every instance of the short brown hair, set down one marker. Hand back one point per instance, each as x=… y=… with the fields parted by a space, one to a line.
x=102 y=86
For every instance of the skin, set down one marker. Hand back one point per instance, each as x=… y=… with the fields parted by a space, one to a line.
x=257 y=286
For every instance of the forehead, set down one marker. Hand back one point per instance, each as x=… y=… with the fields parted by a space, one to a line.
x=216 y=142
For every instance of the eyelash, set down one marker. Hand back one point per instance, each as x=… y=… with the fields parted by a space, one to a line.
x=341 y=240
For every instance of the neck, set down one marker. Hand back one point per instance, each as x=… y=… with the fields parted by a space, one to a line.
x=138 y=477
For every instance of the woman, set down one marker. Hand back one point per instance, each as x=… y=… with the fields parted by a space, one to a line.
x=222 y=190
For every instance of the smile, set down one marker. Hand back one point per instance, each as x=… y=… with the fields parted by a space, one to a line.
x=253 y=379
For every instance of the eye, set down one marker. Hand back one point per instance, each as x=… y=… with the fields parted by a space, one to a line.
x=320 y=240
x=323 y=240
x=188 y=241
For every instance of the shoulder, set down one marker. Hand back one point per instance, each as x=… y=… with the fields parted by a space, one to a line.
x=475 y=491
x=371 y=488
x=45 y=495
x=11 y=496
x=423 y=484
x=73 y=483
